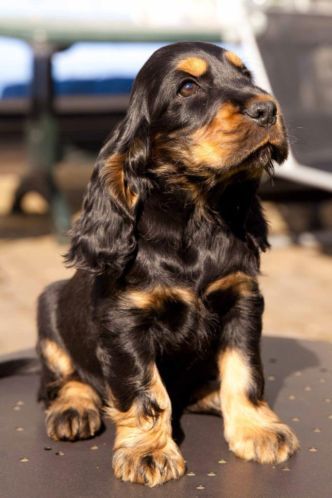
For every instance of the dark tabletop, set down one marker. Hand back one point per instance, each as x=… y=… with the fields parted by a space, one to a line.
x=298 y=386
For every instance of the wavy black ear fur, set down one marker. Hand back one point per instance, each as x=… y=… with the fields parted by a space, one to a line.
x=103 y=239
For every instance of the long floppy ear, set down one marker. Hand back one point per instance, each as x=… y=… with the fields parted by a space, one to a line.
x=104 y=238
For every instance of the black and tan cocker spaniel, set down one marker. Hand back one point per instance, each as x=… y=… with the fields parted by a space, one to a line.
x=165 y=300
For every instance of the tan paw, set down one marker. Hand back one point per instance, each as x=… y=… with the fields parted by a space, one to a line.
x=72 y=424
x=273 y=443
x=151 y=468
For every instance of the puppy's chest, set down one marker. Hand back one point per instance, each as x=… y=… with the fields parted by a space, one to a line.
x=177 y=261
x=192 y=254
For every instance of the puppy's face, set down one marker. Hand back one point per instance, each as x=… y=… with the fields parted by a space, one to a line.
x=207 y=115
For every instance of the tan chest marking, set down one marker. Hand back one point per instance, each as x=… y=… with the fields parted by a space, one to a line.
x=155 y=298
x=239 y=283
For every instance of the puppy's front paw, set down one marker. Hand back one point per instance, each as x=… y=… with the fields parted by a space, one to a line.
x=273 y=444
x=151 y=468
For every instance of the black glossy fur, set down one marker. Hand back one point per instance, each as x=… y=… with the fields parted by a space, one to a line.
x=186 y=228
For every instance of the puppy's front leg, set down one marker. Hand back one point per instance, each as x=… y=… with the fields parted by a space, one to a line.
x=252 y=430
x=141 y=408
x=144 y=451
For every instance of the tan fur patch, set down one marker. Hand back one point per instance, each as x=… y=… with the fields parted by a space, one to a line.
x=238 y=282
x=262 y=97
x=156 y=297
x=224 y=144
x=217 y=145
x=207 y=402
x=196 y=66
x=80 y=393
x=113 y=174
x=56 y=358
x=227 y=140
x=144 y=450
x=172 y=176
x=253 y=432
x=234 y=59
x=75 y=413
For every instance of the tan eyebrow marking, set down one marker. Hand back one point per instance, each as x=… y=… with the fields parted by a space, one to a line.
x=193 y=65
x=234 y=59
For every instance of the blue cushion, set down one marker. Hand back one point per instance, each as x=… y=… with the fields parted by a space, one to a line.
x=87 y=68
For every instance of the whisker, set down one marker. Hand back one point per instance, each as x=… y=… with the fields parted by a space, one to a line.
x=270 y=170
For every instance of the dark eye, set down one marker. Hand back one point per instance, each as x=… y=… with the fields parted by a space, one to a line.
x=188 y=88
x=246 y=72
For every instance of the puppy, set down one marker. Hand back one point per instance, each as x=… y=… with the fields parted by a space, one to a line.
x=165 y=298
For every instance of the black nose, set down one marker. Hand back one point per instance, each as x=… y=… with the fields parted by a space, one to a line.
x=263 y=112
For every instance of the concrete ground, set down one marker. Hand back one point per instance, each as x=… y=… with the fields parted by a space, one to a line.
x=296 y=281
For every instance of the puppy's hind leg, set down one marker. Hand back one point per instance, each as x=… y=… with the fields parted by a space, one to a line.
x=75 y=413
x=73 y=407
x=206 y=400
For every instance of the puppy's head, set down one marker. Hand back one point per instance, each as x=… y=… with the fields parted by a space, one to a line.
x=195 y=120
x=206 y=114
